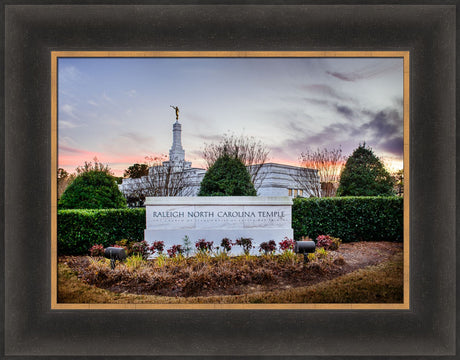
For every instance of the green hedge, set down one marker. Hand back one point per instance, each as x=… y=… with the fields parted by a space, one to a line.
x=349 y=218
x=78 y=230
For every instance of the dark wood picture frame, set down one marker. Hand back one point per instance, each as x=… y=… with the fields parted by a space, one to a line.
x=32 y=329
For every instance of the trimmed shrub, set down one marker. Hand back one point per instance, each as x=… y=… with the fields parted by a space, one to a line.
x=93 y=190
x=227 y=177
x=78 y=230
x=349 y=218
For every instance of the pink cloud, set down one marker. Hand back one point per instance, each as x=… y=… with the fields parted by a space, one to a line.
x=118 y=164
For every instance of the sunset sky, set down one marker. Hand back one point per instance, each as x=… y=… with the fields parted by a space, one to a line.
x=118 y=109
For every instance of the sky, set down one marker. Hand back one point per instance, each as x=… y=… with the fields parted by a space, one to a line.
x=118 y=109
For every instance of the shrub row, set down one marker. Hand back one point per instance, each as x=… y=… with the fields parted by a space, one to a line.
x=349 y=218
x=78 y=230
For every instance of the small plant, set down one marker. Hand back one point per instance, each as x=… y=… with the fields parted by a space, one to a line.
x=221 y=255
x=287 y=244
x=140 y=248
x=287 y=250
x=226 y=244
x=336 y=242
x=321 y=253
x=157 y=246
x=288 y=256
x=311 y=256
x=268 y=247
x=328 y=242
x=175 y=250
x=161 y=260
x=187 y=246
x=96 y=250
x=245 y=243
x=203 y=246
x=135 y=261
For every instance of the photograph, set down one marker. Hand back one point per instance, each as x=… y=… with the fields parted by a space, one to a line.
x=262 y=179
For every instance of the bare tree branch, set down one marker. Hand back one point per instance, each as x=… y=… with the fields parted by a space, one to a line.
x=251 y=152
x=164 y=179
x=328 y=163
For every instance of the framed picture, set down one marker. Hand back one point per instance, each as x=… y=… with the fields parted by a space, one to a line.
x=319 y=86
x=36 y=324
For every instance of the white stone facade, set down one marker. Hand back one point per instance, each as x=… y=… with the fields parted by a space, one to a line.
x=273 y=179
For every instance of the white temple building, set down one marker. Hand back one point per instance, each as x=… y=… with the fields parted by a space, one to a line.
x=272 y=180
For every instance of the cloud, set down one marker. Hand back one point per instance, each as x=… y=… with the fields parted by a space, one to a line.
x=394 y=146
x=370 y=71
x=384 y=124
x=345 y=111
x=318 y=101
x=129 y=144
x=69 y=110
x=343 y=76
x=68 y=74
x=63 y=124
x=136 y=138
x=325 y=91
x=72 y=150
x=331 y=136
x=107 y=98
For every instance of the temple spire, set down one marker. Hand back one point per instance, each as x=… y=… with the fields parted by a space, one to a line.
x=177 y=153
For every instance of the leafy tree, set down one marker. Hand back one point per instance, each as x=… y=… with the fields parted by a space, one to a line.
x=92 y=189
x=365 y=175
x=136 y=171
x=251 y=152
x=227 y=177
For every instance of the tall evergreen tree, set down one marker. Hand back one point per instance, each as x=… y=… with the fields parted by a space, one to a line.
x=227 y=177
x=365 y=175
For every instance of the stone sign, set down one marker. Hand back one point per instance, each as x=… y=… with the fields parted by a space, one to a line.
x=262 y=218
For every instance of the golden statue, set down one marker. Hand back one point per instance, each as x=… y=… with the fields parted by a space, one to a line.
x=177 y=111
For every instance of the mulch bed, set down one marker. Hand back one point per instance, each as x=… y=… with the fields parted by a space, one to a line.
x=194 y=278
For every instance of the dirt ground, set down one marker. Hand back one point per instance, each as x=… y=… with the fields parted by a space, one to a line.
x=192 y=278
x=361 y=254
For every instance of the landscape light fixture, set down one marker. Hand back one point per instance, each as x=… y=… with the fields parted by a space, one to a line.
x=305 y=248
x=114 y=254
